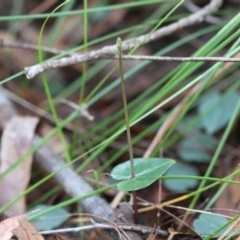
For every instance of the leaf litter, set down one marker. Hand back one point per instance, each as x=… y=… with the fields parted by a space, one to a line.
x=16 y=141
x=20 y=227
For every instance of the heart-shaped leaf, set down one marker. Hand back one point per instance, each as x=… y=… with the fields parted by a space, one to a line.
x=50 y=220
x=219 y=116
x=147 y=170
x=181 y=185
x=207 y=224
x=197 y=147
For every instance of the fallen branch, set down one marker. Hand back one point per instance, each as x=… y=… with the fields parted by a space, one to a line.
x=192 y=7
x=110 y=51
x=28 y=46
x=72 y=183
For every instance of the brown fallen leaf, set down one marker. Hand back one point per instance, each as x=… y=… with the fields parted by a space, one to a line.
x=7 y=226
x=230 y=197
x=26 y=231
x=16 y=141
x=60 y=237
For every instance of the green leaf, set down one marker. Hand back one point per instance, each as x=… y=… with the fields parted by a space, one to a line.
x=181 y=185
x=188 y=121
x=147 y=170
x=221 y=114
x=196 y=147
x=207 y=224
x=49 y=220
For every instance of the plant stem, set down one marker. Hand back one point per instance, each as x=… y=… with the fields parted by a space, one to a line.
x=134 y=194
x=119 y=44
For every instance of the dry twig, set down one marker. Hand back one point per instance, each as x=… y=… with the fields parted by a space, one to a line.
x=110 y=51
x=29 y=46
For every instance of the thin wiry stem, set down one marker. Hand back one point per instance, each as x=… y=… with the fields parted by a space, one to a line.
x=179 y=59
x=141 y=229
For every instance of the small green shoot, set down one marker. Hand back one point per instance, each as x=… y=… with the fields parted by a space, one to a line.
x=140 y=172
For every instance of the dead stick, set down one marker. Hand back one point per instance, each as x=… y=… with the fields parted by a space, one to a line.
x=108 y=51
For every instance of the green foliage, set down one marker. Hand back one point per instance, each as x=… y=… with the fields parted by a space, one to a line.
x=147 y=170
x=181 y=185
x=196 y=147
x=218 y=115
x=207 y=224
x=97 y=138
x=51 y=219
